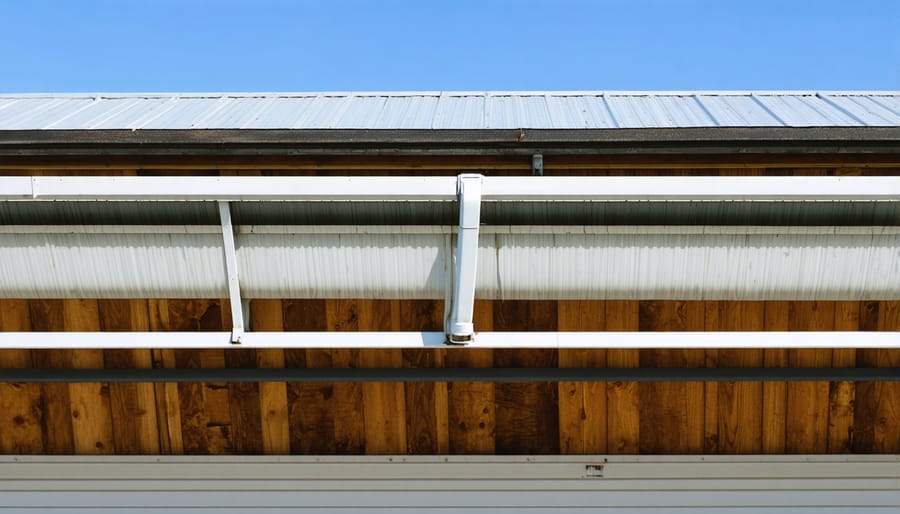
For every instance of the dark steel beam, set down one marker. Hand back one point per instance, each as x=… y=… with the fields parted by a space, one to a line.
x=454 y=375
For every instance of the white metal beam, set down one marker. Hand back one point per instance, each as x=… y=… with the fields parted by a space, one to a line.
x=692 y=188
x=631 y=340
x=231 y=272
x=228 y=188
x=461 y=329
x=444 y=188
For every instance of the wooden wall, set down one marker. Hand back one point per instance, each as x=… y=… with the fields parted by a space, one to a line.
x=455 y=418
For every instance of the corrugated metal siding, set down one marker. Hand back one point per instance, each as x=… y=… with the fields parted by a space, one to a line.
x=449 y=110
x=657 y=485
x=710 y=263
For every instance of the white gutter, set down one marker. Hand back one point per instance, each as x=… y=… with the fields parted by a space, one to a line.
x=462 y=310
x=469 y=191
x=444 y=188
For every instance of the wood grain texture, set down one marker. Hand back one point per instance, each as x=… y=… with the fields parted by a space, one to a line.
x=806 y=428
x=133 y=405
x=20 y=404
x=457 y=418
x=842 y=395
x=384 y=402
x=623 y=399
x=427 y=422
x=527 y=416
x=89 y=403
x=678 y=406
x=268 y=315
x=168 y=404
x=582 y=405
x=732 y=410
x=472 y=417
x=774 y=408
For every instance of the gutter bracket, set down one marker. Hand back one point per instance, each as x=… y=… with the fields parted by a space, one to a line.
x=234 y=289
x=537 y=165
x=460 y=329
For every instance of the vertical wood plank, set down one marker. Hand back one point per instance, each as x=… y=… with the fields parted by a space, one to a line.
x=384 y=402
x=886 y=437
x=740 y=421
x=311 y=429
x=472 y=413
x=47 y=315
x=806 y=428
x=204 y=410
x=20 y=403
x=527 y=417
x=267 y=315
x=622 y=398
x=715 y=313
x=842 y=395
x=865 y=410
x=775 y=393
x=133 y=405
x=245 y=402
x=582 y=405
x=672 y=414
x=325 y=418
x=168 y=408
x=90 y=404
x=426 y=403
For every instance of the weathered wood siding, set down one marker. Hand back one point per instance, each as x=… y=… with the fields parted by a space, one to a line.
x=456 y=418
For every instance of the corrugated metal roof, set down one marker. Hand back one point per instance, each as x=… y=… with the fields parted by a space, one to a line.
x=449 y=110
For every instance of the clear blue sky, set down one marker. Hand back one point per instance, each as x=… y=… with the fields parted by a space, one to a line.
x=370 y=45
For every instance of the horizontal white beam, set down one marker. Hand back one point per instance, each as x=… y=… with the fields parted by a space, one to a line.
x=229 y=188
x=199 y=340
x=692 y=188
x=444 y=188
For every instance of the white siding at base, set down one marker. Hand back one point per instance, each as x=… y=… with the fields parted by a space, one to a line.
x=664 y=485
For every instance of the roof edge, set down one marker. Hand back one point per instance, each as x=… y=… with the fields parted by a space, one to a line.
x=212 y=142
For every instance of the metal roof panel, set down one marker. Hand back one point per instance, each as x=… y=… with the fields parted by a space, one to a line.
x=450 y=110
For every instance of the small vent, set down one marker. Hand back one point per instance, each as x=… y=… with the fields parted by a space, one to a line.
x=593 y=471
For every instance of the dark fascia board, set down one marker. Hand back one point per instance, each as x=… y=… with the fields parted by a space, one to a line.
x=213 y=142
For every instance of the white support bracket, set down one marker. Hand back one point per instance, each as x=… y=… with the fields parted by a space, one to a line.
x=460 y=329
x=234 y=289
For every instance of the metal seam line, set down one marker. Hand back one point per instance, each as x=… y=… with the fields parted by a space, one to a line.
x=231 y=272
x=451 y=375
x=461 y=329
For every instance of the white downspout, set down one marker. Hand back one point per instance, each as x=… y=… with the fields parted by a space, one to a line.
x=461 y=329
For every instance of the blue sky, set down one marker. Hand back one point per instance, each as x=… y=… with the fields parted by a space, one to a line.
x=360 y=45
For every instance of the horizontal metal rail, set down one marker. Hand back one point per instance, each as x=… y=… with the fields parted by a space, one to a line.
x=444 y=188
x=453 y=375
x=638 y=340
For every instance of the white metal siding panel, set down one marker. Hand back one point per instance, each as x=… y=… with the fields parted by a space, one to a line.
x=739 y=263
x=689 y=266
x=663 y=485
x=112 y=266
x=343 y=265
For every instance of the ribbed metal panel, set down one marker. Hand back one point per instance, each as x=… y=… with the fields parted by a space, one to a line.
x=449 y=110
x=517 y=262
x=746 y=266
x=344 y=265
x=597 y=484
x=112 y=266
